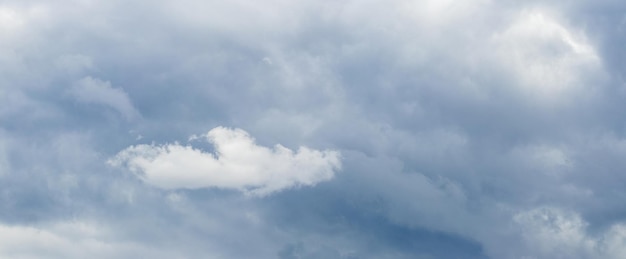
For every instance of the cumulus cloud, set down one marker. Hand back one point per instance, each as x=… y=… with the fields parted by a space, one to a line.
x=96 y=91
x=238 y=163
x=550 y=232
x=546 y=57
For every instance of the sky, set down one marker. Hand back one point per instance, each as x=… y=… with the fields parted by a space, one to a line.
x=312 y=129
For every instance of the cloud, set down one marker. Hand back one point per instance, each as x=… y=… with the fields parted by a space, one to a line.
x=74 y=63
x=454 y=120
x=547 y=58
x=238 y=163
x=551 y=232
x=73 y=239
x=9 y=19
x=96 y=91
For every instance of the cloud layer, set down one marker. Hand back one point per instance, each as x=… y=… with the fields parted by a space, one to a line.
x=435 y=129
x=238 y=163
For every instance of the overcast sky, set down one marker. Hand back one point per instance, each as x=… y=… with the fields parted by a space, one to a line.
x=312 y=129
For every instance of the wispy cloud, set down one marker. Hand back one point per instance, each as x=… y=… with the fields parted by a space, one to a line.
x=95 y=91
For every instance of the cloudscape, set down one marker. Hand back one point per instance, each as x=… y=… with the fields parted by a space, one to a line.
x=312 y=129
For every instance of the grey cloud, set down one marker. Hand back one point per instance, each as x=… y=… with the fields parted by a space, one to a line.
x=92 y=90
x=74 y=64
x=459 y=123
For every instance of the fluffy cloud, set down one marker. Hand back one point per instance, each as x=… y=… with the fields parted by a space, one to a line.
x=548 y=59
x=238 y=163
x=550 y=232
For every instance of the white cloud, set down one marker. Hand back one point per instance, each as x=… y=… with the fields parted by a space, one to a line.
x=93 y=90
x=550 y=232
x=614 y=242
x=9 y=19
x=69 y=240
x=546 y=57
x=238 y=163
